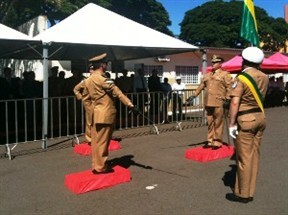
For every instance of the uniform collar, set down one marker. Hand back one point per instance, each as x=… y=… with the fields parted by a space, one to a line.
x=247 y=68
x=216 y=71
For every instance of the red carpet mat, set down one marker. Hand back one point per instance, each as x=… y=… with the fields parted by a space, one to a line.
x=85 y=149
x=205 y=155
x=114 y=145
x=82 y=182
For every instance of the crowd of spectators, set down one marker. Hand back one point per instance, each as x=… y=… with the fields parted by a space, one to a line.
x=277 y=90
x=148 y=93
x=27 y=87
x=59 y=86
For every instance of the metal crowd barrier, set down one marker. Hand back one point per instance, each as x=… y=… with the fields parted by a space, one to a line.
x=21 y=120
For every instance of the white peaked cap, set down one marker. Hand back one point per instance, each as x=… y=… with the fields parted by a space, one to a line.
x=253 y=55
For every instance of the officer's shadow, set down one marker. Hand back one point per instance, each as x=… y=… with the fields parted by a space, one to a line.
x=126 y=161
x=230 y=176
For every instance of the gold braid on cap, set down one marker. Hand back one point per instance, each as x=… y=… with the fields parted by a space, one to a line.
x=216 y=58
x=98 y=57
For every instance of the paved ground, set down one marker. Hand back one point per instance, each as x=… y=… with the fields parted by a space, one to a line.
x=33 y=182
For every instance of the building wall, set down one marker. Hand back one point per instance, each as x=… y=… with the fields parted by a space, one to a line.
x=184 y=59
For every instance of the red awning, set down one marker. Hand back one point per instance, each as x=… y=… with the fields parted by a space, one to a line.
x=234 y=65
x=278 y=57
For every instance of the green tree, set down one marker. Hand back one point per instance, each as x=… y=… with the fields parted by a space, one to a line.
x=218 y=23
x=147 y=12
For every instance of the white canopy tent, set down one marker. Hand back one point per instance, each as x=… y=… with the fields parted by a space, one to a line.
x=93 y=30
x=13 y=42
x=9 y=33
x=90 y=31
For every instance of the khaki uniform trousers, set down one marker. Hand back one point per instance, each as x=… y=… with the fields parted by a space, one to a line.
x=215 y=122
x=88 y=122
x=101 y=135
x=247 y=146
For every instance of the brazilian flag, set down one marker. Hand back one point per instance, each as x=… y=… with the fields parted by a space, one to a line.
x=249 y=29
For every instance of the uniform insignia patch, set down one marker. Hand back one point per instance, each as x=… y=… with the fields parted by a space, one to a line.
x=234 y=85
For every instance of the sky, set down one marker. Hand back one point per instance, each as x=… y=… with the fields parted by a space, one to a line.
x=177 y=9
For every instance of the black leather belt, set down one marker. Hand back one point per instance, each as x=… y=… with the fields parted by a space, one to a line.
x=253 y=110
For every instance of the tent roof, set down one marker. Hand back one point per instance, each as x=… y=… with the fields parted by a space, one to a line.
x=9 y=33
x=269 y=64
x=12 y=42
x=93 y=30
x=235 y=65
x=278 y=57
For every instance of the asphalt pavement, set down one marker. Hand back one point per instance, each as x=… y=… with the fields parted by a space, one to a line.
x=33 y=182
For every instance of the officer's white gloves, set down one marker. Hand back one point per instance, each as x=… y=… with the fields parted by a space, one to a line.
x=233 y=131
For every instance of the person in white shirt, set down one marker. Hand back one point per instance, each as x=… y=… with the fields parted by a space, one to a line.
x=177 y=98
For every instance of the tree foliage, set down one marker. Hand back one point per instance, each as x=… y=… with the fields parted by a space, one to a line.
x=147 y=12
x=215 y=23
x=218 y=24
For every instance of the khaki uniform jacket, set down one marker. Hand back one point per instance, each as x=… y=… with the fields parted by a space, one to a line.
x=81 y=92
x=78 y=90
x=241 y=90
x=102 y=93
x=218 y=86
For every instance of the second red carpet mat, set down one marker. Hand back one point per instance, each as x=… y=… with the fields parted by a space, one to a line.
x=201 y=154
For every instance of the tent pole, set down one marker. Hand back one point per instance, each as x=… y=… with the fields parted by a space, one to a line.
x=204 y=67
x=45 y=96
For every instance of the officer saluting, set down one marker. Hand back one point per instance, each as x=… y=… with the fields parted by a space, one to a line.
x=102 y=92
x=217 y=84
x=247 y=123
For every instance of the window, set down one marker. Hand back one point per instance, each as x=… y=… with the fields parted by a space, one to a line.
x=188 y=74
x=148 y=70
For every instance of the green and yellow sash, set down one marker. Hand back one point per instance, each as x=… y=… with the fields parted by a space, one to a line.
x=247 y=79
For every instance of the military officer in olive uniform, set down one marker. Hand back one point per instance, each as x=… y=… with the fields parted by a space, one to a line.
x=217 y=84
x=102 y=92
x=247 y=123
x=81 y=93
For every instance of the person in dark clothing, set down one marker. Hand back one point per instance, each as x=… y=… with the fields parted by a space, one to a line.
x=166 y=89
x=9 y=86
x=140 y=88
x=155 y=88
